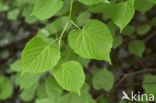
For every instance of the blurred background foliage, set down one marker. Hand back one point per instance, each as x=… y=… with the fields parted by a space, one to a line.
x=133 y=54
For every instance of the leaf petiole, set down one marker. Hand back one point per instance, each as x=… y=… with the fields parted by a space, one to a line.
x=71 y=6
x=75 y=25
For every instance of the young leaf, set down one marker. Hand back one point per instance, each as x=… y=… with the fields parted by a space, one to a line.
x=57 y=25
x=117 y=41
x=16 y=66
x=102 y=100
x=53 y=90
x=99 y=8
x=69 y=98
x=137 y=47
x=27 y=80
x=128 y=30
x=28 y=94
x=3 y=7
x=13 y=14
x=143 y=5
x=108 y=7
x=131 y=2
x=149 y=88
x=41 y=91
x=93 y=42
x=44 y=9
x=74 y=98
x=83 y=18
x=44 y=100
x=123 y=14
x=38 y=56
x=103 y=79
x=143 y=29
x=93 y=2
x=6 y=88
x=69 y=54
x=70 y=76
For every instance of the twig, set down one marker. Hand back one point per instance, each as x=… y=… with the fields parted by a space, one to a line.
x=150 y=37
x=121 y=80
x=142 y=71
x=136 y=84
x=133 y=73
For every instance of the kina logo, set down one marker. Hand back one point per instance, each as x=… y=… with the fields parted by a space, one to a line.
x=137 y=97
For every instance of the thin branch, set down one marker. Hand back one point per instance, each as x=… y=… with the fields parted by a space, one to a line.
x=121 y=80
x=149 y=37
x=141 y=71
x=133 y=73
x=136 y=84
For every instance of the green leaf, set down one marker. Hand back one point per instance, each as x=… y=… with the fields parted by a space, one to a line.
x=6 y=88
x=68 y=98
x=149 y=88
x=143 y=5
x=44 y=34
x=13 y=14
x=153 y=1
x=86 y=97
x=41 y=91
x=70 y=76
x=103 y=79
x=128 y=30
x=57 y=25
x=108 y=7
x=44 y=9
x=44 y=100
x=112 y=27
x=69 y=54
x=137 y=48
x=117 y=41
x=93 y=2
x=21 y=2
x=38 y=56
x=53 y=90
x=74 y=98
x=65 y=9
x=131 y=2
x=28 y=94
x=123 y=14
x=83 y=18
x=27 y=80
x=103 y=100
x=16 y=66
x=30 y=19
x=143 y=29
x=99 y=8
x=27 y=11
x=87 y=42
x=153 y=21
x=3 y=7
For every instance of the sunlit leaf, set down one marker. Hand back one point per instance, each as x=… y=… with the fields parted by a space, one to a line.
x=38 y=56
x=70 y=76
